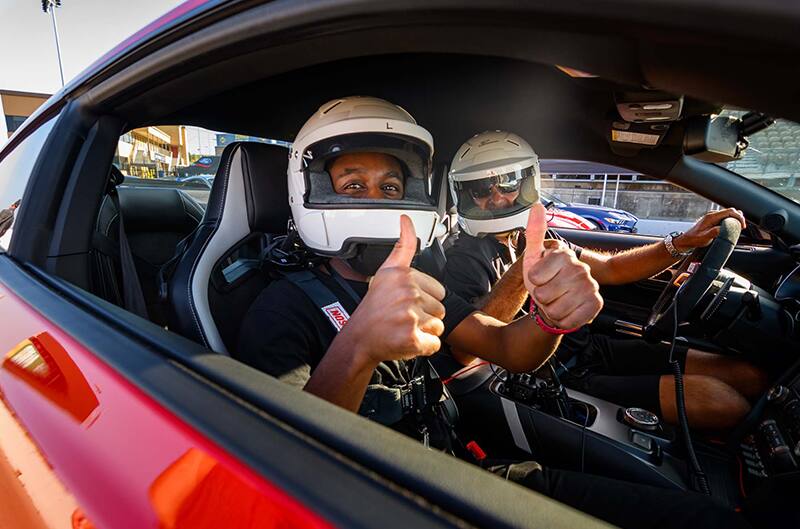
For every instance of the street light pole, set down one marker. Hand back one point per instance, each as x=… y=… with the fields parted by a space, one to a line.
x=51 y=5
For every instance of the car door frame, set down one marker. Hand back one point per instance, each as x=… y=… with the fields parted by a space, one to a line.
x=410 y=483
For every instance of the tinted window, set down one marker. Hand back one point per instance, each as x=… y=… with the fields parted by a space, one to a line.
x=175 y=156
x=622 y=201
x=14 y=122
x=15 y=170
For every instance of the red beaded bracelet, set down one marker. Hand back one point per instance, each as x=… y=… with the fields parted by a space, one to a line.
x=543 y=325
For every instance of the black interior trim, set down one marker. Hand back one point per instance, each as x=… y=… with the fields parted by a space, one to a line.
x=81 y=201
x=140 y=352
x=48 y=181
x=315 y=476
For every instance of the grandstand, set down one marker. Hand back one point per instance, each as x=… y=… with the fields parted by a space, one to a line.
x=773 y=158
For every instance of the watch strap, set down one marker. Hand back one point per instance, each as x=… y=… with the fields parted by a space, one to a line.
x=670 y=245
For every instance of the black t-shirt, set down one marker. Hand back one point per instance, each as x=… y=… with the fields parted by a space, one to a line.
x=475 y=264
x=286 y=335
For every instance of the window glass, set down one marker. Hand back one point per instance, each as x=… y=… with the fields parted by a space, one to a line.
x=618 y=200
x=772 y=158
x=176 y=156
x=15 y=170
x=14 y=122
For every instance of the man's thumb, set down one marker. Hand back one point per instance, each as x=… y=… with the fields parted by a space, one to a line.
x=535 y=234
x=405 y=247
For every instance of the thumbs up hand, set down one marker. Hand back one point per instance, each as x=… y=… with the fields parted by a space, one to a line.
x=560 y=285
x=401 y=315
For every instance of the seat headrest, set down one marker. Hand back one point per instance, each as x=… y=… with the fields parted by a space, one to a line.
x=263 y=170
x=156 y=209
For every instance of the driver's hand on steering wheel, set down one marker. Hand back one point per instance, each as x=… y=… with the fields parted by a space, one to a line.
x=706 y=229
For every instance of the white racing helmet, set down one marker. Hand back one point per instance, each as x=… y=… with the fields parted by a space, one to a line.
x=494 y=179
x=332 y=224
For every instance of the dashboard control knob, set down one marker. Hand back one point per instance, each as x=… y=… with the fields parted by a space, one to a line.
x=640 y=418
x=778 y=394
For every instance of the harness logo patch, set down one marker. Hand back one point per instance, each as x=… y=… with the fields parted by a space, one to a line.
x=336 y=313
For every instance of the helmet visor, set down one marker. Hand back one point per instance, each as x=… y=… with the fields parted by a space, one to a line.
x=497 y=196
x=369 y=170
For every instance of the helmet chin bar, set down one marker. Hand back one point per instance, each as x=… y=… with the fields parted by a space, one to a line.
x=334 y=232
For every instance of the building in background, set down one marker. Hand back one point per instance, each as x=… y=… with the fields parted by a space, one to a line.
x=152 y=152
x=15 y=107
x=164 y=151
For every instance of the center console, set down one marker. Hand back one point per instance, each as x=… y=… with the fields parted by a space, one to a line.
x=531 y=415
x=571 y=430
x=546 y=418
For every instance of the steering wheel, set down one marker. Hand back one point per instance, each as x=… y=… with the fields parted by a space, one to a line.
x=691 y=281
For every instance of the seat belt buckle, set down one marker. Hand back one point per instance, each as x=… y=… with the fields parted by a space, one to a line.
x=476 y=451
x=162 y=289
x=413 y=397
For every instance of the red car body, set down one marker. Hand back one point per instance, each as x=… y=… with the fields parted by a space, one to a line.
x=159 y=474
x=92 y=435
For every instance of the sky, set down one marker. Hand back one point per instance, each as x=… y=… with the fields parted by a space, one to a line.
x=87 y=29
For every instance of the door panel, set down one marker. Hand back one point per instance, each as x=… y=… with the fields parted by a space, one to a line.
x=100 y=440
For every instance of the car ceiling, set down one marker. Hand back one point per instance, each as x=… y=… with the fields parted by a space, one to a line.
x=453 y=96
x=458 y=71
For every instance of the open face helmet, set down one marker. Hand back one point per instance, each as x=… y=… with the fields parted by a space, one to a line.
x=360 y=230
x=494 y=179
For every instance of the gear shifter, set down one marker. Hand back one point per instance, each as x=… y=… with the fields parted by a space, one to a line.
x=541 y=389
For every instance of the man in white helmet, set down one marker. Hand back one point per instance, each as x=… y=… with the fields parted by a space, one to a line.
x=352 y=330
x=494 y=177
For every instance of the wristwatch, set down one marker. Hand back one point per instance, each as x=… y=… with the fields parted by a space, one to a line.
x=671 y=247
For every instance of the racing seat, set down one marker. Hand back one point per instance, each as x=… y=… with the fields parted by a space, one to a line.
x=155 y=220
x=219 y=275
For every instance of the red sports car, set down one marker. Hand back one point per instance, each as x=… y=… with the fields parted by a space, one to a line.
x=116 y=414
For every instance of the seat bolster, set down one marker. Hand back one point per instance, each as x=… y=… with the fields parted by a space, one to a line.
x=184 y=315
x=230 y=228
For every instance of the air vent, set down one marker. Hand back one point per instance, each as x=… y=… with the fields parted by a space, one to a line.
x=465 y=153
x=513 y=143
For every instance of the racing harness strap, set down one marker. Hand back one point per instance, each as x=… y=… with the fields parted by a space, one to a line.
x=422 y=405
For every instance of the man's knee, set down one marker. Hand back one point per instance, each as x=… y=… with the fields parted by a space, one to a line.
x=746 y=378
x=710 y=403
x=753 y=381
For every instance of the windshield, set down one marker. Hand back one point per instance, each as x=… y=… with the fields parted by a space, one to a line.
x=773 y=157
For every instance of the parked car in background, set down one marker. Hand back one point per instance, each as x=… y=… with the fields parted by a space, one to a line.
x=598 y=217
x=200 y=180
x=561 y=218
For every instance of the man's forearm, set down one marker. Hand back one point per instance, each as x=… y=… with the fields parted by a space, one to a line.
x=518 y=346
x=342 y=376
x=628 y=266
x=507 y=296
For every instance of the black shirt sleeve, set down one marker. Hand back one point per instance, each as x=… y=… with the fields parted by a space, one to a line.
x=456 y=309
x=466 y=276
